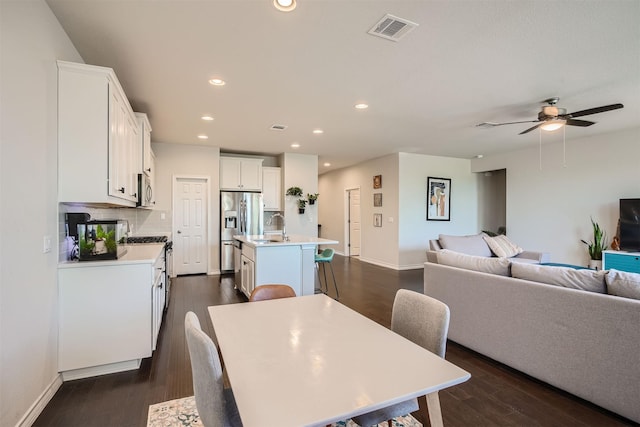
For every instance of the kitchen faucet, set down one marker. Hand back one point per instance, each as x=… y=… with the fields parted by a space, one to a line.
x=284 y=227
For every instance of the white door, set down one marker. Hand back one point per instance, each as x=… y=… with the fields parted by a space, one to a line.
x=190 y=225
x=354 y=222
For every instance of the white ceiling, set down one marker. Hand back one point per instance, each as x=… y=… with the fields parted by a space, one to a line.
x=467 y=62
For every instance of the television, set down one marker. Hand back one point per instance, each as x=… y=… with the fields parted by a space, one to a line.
x=630 y=225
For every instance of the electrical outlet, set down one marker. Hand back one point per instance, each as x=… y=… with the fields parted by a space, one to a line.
x=163 y=215
x=390 y=219
x=46 y=247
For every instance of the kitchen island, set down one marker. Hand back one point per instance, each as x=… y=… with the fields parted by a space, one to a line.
x=269 y=259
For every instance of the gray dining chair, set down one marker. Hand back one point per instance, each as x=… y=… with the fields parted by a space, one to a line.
x=216 y=405
x=424 y=321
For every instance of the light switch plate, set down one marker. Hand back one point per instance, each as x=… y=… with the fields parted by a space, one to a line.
x=46 y=247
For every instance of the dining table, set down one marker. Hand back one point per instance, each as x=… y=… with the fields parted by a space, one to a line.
x=312 y=361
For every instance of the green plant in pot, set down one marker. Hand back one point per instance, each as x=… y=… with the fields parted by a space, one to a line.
x=596 y=246
x=294 y=191
x=312 y=198
x=302 y=203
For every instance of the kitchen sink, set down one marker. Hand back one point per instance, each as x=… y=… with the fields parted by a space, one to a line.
x=266 y=240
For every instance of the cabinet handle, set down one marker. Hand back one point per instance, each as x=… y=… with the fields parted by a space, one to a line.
x=149 y=170
x=121 y=190
x=135 y=195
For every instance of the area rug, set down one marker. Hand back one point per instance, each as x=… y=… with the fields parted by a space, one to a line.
x=183 y=413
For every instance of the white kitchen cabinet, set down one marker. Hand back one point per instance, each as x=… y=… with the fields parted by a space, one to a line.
x=272 y=188
x=247 y=275
x=110 y=314
x=145 y=134
x=240 y=174
x=98 y=138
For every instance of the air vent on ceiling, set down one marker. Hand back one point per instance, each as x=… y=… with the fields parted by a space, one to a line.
x=392 y=28
x=278 y=127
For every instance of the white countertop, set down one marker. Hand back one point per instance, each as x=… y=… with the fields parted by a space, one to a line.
x=275 y=240
x=136 y=254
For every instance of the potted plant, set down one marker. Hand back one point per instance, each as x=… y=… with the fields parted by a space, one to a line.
x=312 y=198
x=302 y=203
x=294 y=191
x=596 y=246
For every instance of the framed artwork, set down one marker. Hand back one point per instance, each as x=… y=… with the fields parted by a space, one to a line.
x=377 y=181
x=377 y=199
x=377 y=220
x=438 y=199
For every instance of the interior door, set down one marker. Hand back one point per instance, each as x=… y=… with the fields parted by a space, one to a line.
x=190 y=240
x=354 y=222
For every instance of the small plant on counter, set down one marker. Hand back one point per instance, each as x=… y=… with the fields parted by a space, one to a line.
x=302 y=203
x=312 y=198
x=294 y=191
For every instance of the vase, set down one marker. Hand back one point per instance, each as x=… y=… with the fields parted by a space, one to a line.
x=595 y=264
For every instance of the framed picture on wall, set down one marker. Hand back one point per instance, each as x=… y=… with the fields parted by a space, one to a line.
x=377 y=220
x=377 y=199
x=377 y=181
x=438 y=199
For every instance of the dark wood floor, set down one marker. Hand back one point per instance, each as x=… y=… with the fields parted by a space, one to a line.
x=494 y=396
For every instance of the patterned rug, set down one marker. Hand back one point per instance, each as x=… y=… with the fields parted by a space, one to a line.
x=183 y=413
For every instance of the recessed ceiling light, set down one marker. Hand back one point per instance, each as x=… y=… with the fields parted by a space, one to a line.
x=361 y=106
x=295 y=145
x=207 y=118
x=203 y=137
x=285 y=5
x=318 y=131
x=327 y=164
x=479 y=156
x=217 y=82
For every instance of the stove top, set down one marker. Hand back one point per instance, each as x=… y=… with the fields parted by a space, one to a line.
x=146 y=239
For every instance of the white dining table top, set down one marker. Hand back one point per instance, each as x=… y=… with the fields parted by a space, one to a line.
x=311 y=361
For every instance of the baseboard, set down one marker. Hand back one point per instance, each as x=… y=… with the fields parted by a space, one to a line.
x=41 y=402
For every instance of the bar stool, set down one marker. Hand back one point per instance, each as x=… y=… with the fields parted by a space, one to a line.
x=324 y=258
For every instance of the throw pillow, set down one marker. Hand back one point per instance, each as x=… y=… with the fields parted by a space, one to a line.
x=586 y=280
x=501 y=246
x=470 y=245
x=623 y=284
x=484 y=264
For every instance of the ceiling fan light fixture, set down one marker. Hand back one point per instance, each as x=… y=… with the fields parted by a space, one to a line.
x=552 y=125
x=285 y=5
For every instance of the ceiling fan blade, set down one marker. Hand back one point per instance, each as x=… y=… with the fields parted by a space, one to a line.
x=594 y=110
x=531 y=128
x=581 y=123
x=493 y=124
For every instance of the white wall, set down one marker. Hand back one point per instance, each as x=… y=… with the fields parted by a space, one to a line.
x=379 y=245
x=32 y=40
x=414 y=230
x=550 y=208
x=300 y=170
x=190 y=160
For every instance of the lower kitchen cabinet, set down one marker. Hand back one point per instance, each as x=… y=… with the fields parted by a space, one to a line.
x=109 y=315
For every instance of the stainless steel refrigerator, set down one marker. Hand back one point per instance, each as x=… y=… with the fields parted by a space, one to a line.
x=241 y=213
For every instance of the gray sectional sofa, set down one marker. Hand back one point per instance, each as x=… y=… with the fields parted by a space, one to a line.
x=585 y=343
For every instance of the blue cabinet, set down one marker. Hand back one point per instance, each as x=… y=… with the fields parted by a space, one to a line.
x=623 y=261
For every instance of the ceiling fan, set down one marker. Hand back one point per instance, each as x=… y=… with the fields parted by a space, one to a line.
x=551 y=117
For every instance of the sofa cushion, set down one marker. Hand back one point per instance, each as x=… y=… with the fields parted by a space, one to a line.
x=501 y=246
x=586 y=280
x=623 y=284
x=484 y=264
x=470 y=245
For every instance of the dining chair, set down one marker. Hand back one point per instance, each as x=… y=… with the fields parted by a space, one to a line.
x=265 y=292
x=322 y=259
x=216 y=405
x=424 y=321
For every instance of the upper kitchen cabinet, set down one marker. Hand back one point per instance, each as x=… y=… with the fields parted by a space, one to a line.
x=240 y=174
x=145 y=134
x=272 y=189
x=99 y=139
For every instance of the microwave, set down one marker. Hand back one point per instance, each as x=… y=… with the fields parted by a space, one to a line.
x=101 y=239
x=145 y=192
